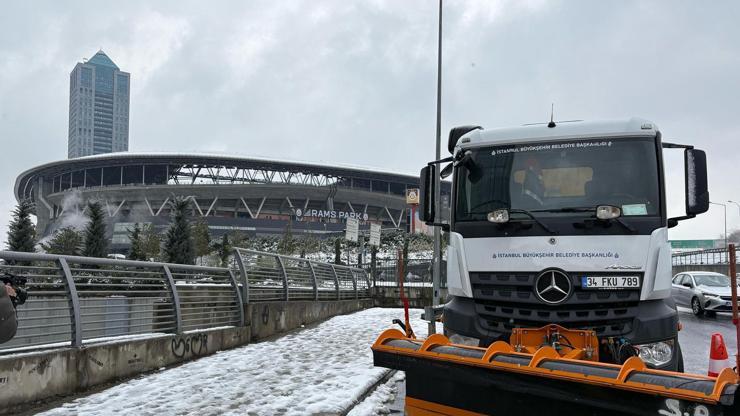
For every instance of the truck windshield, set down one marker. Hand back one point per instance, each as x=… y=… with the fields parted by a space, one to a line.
x=559 y=178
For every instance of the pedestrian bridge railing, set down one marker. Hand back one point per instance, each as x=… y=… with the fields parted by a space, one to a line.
x=74 y=301
x=278 y=277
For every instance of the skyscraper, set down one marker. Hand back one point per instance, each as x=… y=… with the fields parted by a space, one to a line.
x=98 y=107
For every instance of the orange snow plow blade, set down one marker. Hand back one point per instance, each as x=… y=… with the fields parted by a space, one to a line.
x=444 y=378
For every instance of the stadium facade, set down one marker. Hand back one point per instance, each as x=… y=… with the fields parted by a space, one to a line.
x=255 y=196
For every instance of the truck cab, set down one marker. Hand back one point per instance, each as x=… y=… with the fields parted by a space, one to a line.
x=564 y=223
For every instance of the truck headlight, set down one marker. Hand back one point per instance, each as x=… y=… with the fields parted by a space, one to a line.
x=657 y=353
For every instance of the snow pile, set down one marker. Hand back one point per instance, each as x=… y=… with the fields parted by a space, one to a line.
x=319 y=370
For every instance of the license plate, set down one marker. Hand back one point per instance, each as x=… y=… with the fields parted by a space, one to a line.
x=610 y=282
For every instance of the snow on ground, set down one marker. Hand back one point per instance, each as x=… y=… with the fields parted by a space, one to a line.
x=323 y=369
x=378 y=402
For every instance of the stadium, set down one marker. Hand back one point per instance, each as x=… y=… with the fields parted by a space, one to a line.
x=256 y=196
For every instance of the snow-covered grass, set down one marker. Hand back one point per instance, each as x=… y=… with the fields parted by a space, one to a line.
x=320 y=370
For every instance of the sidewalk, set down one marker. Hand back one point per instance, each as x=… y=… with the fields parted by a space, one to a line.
x=319 y=370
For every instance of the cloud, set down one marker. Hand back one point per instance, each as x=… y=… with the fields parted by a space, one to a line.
x=354 y=82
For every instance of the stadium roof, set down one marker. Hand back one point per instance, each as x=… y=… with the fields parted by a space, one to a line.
x=131 y=158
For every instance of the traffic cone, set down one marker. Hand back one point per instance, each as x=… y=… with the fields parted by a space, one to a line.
x=718 y=358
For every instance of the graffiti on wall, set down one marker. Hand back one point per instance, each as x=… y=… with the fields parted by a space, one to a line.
x=196 y=344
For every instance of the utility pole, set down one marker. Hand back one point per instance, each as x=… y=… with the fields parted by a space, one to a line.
x=436 y=258
x=725 y=207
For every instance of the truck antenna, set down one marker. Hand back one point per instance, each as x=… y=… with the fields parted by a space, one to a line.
x=552 y=124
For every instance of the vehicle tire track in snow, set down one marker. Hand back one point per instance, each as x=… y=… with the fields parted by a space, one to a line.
x=370 y=391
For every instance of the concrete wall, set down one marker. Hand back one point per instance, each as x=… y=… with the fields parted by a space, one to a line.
x=30 y=377
x=270 y=318
x=718 y=268
x=390 y=296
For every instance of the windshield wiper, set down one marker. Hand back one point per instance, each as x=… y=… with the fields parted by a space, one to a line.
x=588 y=209
x=529 y=214
x=567 y=209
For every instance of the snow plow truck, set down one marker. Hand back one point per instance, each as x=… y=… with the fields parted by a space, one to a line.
x=559 y=278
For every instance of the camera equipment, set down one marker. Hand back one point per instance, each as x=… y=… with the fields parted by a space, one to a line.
x=18 y=283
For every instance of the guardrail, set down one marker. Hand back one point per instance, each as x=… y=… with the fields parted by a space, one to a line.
x=277 y=277
x=73 y=301
x=701 y=257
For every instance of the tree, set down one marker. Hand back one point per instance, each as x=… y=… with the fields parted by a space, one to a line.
x=136 y=252
x=22 y=231
x=65 y=241
x=151 y=242
x=239 y=239
x=287 y=243
x=96 y=242
x=337 y=251
x=223 y=249
x=178 y=244
x=201 y=239
x=732 y=237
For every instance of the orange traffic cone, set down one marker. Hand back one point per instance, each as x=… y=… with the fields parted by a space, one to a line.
x=718 y=358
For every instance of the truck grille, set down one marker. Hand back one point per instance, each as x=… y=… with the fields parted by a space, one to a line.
x=506 y=300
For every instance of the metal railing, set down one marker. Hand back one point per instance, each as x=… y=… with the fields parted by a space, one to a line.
x=278 y=277
x=74 y=301
x=701 y=257
x=418 y=272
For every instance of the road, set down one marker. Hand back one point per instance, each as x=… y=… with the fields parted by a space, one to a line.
x=695 y=338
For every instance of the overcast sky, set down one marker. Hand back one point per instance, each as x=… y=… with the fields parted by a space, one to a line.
x=354 y=81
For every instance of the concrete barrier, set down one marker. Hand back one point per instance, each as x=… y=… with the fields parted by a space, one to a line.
x=26 y=378
x=717 y=268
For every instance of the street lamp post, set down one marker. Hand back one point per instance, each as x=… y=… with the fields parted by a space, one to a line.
x=725 y=207
x=736 y=204
x=436 y=259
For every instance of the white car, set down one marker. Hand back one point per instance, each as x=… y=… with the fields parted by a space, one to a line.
x=702 y=292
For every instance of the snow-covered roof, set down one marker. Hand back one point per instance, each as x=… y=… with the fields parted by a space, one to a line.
x=563 y=130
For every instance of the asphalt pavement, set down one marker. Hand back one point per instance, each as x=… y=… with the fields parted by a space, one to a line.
x=695 y=338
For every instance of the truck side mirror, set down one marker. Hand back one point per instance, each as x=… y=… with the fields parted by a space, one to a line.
x=426 y=193
x=697 y=191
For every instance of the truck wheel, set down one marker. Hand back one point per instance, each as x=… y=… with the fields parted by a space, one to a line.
x=696 y=307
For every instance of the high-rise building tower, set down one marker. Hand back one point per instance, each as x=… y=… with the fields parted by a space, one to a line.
x=98 y=107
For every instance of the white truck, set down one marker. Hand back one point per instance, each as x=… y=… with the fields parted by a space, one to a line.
x=564 y=223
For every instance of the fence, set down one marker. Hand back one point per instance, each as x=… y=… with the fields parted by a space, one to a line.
x=708 y=256
x=418 y=272
x=278 y=277
x=73 y=301
x=715 y=260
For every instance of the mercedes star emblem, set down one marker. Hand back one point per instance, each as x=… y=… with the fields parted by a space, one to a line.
x=552 y=287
